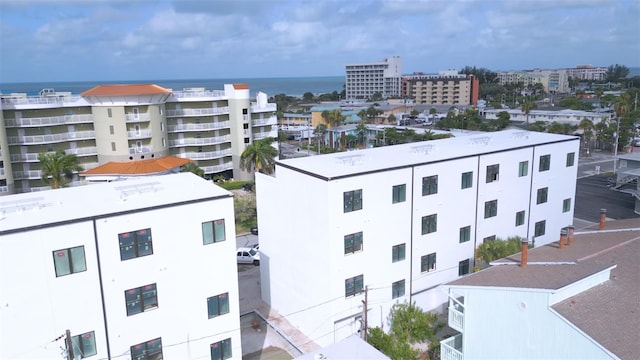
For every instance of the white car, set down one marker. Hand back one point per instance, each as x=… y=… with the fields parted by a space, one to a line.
x=247 y=255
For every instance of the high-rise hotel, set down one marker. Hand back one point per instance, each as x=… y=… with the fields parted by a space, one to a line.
x=130 y=122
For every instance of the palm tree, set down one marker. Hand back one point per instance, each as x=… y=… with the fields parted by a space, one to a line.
x=361 y=130
x=333 y=117
x=319 y=132
x=57 y=168
x=259 y=156
x=527 y=106
x=587 y=132
x=192 y=167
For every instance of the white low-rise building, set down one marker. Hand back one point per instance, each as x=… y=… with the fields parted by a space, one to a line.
x=566 y=116
x=393 y=223
x=137 y=269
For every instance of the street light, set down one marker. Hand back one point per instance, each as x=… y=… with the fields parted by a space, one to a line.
x=615 y=149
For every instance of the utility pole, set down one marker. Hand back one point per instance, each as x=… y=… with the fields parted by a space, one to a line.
x=69 y=343
x=615 y=149
x=364 y=311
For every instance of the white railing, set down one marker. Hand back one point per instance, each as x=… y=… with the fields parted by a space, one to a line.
x=198 y=112
x=217 y=168
x=266 y=134
x=4 y=189
x=139 y=134
x=269 y=107
x=49 y=120
x=44 y=139
x=89 y=150
x=196 y=127
x=200 y=141
x=140 y=150
x=204 y=155
x=89 y=166
x=137 y=117
x=198 y=94
x=451 y=348
x=1 y=171
x=271 y=120
x=31 y=174
x=41 y=100
x=456 y=317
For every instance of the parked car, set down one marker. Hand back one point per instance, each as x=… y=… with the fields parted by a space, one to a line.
x=248 y=256
x=254 y=230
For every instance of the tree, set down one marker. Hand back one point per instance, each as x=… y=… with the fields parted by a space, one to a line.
x=361 y=130
x=192 y=167
x=259 y=156
x=333 y=117
x=377 y=96
x=498 y=248
x=57 y=168
x=308 y=96
x=527 y=106
x=615 y=73
x=391 y=119
x=587 y=132
x=319 y=133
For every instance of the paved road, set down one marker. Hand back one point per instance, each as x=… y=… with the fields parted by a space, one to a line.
x=593 y=194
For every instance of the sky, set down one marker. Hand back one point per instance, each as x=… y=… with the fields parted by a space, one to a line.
x=115 y=40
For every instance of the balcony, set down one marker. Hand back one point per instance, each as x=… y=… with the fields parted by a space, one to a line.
x=53 y=138
x=209 y=155
x=265 y=134
x=49 y=120
x=200 y=141
x=456 y=315
x=269 y=107
x=451 y=348
x=4 y=189
x=42 y=100
x=139 y=134
x=217 y=168
x=199 y=94
x=198 y=127
x=2 y=172
x=271 y=120
x=198 y=112
x=141 y=150
x=31 y=174
x=131 y=118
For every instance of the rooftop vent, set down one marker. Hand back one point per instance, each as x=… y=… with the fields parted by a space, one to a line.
x=482 y=140
x=137 y=189
x=521 y=135
x=423 y=149
x=20 y=206
x=351 y=160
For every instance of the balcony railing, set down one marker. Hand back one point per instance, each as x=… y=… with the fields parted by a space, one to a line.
x=41 y=100
x=2 y=172
x=456 y=315
x=198 y=127
x=141 y=150
x=198 y=94
x=4 y=189
x=33 y=157
x=271 y=120
x=139 y=134
x=217 y=168
x=451 y=348
x=45 y=139
x=200 y=141
x=266 y=134
x=49 y=120
x=31 y=174
x=198 y=112
x=137 y=117
x=204 y=155
x=269 y=107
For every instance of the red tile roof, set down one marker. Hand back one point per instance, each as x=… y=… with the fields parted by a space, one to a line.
x=240 y=86
x=138 y=167
x=126 y=89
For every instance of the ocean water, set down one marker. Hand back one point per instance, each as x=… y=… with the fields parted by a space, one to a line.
x=293 y=86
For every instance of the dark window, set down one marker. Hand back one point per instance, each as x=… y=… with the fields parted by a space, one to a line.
x=520 y=218
x=398 y=253
x=465 y=234
x=84 y=345
x=353 y=243
x=428 y=263
x=463 y=267
x=430 y=185
x=111 y=130
x=150 y=350
x=540 y=228
x=354 y=285
x=571 y=158
x=135 y=244
x=489 y=238
x=429 y=223
x=245 y=111
x=566 y=205
x=69 y=261
x=352 y=200
x=397 y=289
x=221 y=350
x=542 y=195
x=213 y=231
x=109 y=114
x=490 y=209
x=492 y=172
x=399 y=193
x=245 y=126
x=218 y=305
x=141 y=299
x=246 y=140
x=545 y=163
x=523 y=168
x=467 y=180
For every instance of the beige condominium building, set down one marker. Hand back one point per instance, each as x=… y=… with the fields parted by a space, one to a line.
x=445 y=88
x=127 y=123
x=363 y=80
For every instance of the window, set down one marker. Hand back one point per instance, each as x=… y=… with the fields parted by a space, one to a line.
x=161 y=123
x=354 y=285
x=399 y=193
x=397 y=289
x=246 y=140
x=520 y=218
x=245 y=111
x=84 y=344
x=245 y=126
x=111 y=131
x=429 y=223
x=465 y=234
x=218 y=305
x=113 y=146
x=141 y=299
x=492 y=172
x=490 y=209
x=467 y=180
x=353 y=243
x=150 y=350
x=109 y=114
x=489 y=238
x=221 y=350
x=398 y=252
x=542 y=195
x=430 y=185
x=523 y=168
x=540 y=228
x=566 y=205
x=352 y=200
x=545 y=163
x=571 y=158
x=213 y=232
x=69 y=261
x=135 y=244
x=164 y=143
x=463 y=267
x=428 y=263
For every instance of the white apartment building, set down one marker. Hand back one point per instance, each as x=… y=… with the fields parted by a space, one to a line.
x=554 y=81
x=588 y=72
x=365 y=79
x=565 y=116
x=400 y=220
x=130 y=122
x=137 y=269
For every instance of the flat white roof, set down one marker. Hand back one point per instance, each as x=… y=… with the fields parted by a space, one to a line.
x=350 y=163
x=34 y=209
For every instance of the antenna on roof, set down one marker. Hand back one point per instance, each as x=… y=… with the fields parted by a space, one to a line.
x=521 y=135
x=137 y=189
x=20 y=206
x=482 y=140
x=422 y=149
x=351 y=160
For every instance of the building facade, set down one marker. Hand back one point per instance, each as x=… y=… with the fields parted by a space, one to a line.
x=130 y=122
x=444 y=88
x=363 y=80
x=588 y=72
x=395 y=222
x=566 y=116
x=119 y=274
x=553 y=81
